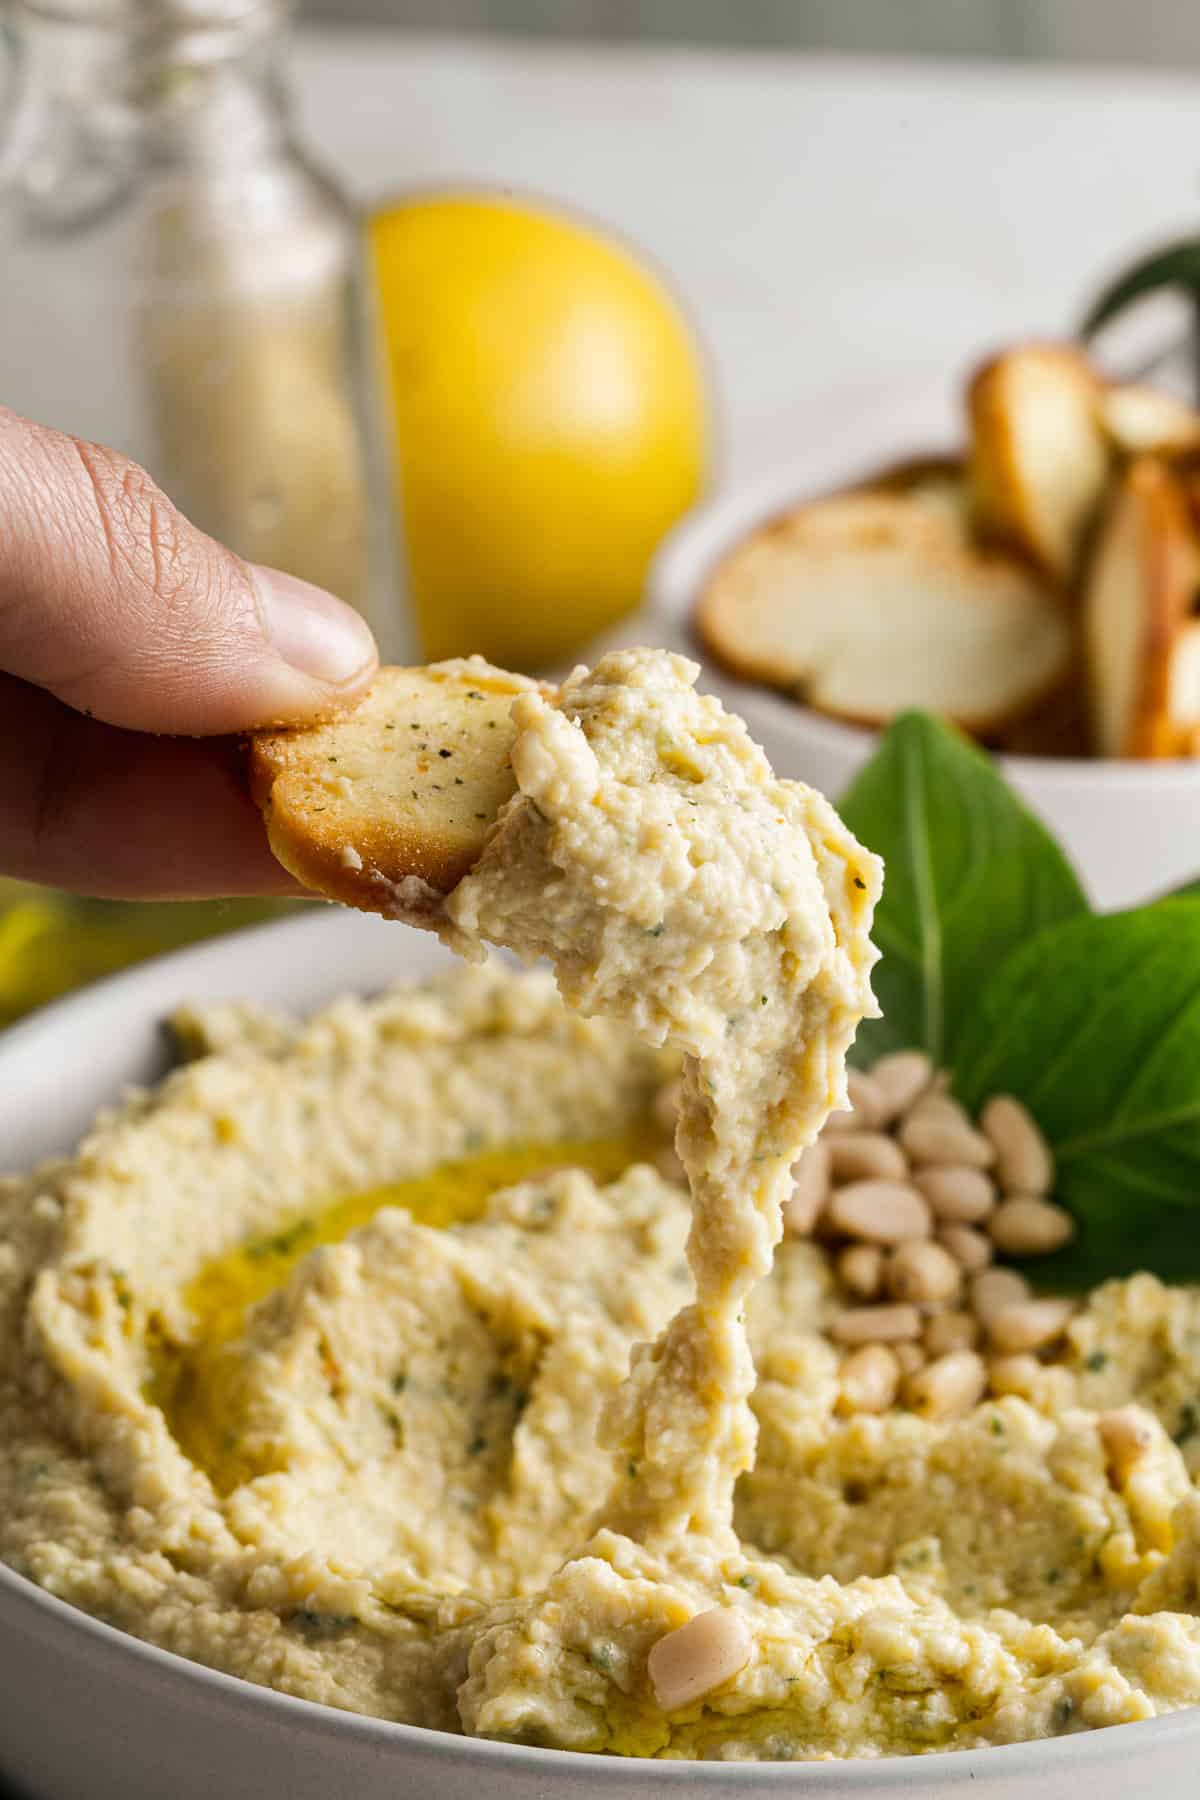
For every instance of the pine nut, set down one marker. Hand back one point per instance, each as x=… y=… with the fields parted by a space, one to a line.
x=866 y=1106
x=971 y=1248
x=901 y=1078
x=911 y=1357
x=1014 y=1374
x=994 y=1288
x=876 y=1325
x=922 y=1272
x=882 y=1212
x=865 y=1099
x=961 y=1195
x=951 y=1331
x=860 y=1269
x=666 y=1105
x=810 y=1190
x=701 y=1655
x=1126 y=1435
x=1023 y=1159
x=948 y=1387
x=860 y=1155
x=929 y=1136
x=940 y=1104
x=1024 y=1226
x=1029 y=1324
x=866 y=1103
x=870 y=1379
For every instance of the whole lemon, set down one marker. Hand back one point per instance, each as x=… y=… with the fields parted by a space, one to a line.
x=550 y=419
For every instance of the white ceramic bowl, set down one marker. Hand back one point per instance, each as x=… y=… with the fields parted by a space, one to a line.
x=1132 y=829
x=87 y=1713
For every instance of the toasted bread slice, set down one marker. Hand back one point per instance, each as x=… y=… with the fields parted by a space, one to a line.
x=937 y=485
x=1140 y=420
x=1183 y=689
x=868 y=603
x=1039 y=460
x=1141 y=641
x=386 y=806
x=937 y=482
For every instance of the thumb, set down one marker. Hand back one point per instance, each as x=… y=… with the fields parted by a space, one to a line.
x=112 y=601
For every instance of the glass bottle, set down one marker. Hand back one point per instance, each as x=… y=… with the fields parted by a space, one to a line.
x=179 y=281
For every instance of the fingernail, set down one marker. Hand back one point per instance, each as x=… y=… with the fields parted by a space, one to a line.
x=317 y=634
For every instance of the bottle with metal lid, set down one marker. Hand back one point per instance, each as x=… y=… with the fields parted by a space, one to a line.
x=179 y=281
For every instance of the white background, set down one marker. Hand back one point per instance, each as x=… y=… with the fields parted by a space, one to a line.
x=849 y=234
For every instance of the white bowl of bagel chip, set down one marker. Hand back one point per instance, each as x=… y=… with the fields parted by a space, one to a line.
x=876 y=599
x=1038 y=587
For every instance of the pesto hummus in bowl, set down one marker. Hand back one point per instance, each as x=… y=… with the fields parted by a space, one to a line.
x=397 y=1359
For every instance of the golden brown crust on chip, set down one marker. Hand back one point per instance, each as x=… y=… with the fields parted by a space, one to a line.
x=1137 y=617
x=930 y=471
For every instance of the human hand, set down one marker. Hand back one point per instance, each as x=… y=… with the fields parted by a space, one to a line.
x=121 y=623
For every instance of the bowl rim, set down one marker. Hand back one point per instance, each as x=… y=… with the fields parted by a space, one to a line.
x=56 y=1618
x=1036 y=1756
x=690 y=552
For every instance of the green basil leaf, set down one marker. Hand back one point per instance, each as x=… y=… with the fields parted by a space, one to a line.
x=1095 y=1025
x=969 y=875
x=1177 y=266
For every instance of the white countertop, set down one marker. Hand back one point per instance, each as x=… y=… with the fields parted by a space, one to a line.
x=849 y=233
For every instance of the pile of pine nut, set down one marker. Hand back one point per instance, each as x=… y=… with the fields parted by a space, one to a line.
x=913 y=1202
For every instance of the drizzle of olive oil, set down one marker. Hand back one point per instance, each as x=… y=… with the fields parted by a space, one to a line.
x=195 y=1383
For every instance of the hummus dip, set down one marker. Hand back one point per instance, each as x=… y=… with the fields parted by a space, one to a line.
x=388 y=1359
